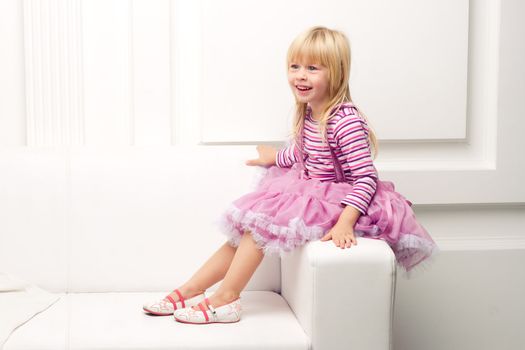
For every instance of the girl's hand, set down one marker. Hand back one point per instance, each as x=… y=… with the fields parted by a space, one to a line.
x=267 y=156
x=342 y=235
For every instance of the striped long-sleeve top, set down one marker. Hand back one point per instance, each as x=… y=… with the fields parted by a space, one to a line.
x=347 y=134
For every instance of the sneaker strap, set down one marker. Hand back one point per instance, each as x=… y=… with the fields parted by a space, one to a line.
x=181 y=298
x=212 y=309
x=204 y=312
x=172 y=301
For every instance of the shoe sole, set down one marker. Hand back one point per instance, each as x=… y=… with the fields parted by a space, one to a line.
x=179 y=320
x=156 y=313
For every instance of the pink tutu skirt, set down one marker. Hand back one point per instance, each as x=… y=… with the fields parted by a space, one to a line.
x=286 y=211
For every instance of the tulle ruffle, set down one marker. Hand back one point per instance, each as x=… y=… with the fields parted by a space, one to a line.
x=271 y=238
x=286 y=211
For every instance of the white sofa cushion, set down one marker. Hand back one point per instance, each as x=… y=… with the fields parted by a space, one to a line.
x=116 y=321
x=121 y=220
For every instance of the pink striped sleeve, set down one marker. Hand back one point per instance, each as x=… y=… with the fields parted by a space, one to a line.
x=351 y=135
x=286 y=157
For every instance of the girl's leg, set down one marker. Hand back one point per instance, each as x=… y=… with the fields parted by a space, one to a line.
x=210 y=273
x=246 y=260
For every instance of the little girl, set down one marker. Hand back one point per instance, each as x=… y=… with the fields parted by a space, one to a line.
x=323 y=186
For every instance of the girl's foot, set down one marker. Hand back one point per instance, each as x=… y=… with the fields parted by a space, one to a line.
x=218 y=299
x=186 y=292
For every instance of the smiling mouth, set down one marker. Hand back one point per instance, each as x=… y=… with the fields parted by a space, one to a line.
x=303 y=88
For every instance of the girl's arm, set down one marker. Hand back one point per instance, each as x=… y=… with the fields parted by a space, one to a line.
x=286 y=157
x=267 y=155
x=351 y=135
x=349 y=215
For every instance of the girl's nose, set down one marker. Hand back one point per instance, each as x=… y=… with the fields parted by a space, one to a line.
x=302 y=74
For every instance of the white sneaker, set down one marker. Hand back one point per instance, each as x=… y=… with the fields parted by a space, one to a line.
x=168 y=305
x=228 y=313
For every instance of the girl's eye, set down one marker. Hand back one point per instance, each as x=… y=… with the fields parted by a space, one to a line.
x=294 y=66
x=312 y=67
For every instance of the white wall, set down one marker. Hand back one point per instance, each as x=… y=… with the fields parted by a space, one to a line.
x=87 y=83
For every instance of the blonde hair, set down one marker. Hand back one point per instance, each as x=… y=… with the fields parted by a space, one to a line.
x=331 y=49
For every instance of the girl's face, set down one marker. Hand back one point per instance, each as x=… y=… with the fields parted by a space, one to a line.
x=309 y=83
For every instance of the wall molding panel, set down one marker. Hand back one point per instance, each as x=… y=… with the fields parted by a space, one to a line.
x=151 y=72
x=54 y=79
x=128 y=72
x=186 y=76
x=399 y=76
